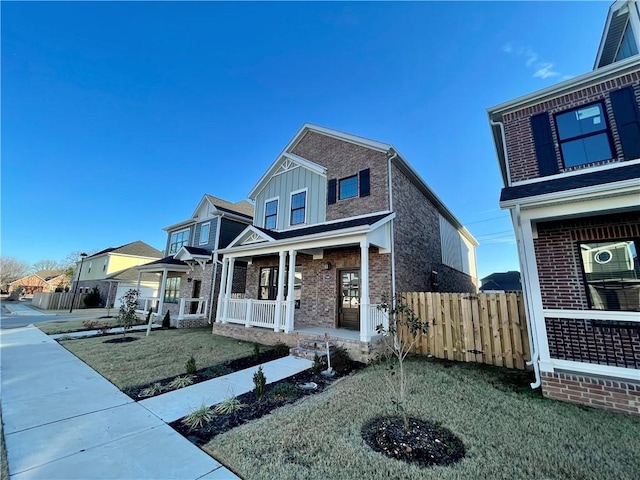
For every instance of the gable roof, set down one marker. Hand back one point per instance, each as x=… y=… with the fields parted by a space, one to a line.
x=136 y=249
x=618 y=19
x=508 y=281
x=47 y=275
x=243 y=209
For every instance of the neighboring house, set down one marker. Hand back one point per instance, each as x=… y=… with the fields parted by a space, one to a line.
x=570 y=162
x=42 y=281
x=101 y=269
x=339 y=222
x=501 y=281
x=191 y=264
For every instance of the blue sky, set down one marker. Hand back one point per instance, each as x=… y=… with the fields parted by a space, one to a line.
x=118 y=116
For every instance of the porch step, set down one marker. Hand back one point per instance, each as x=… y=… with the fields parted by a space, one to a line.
x=310 y=348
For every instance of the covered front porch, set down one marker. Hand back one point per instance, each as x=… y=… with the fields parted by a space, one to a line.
x=181 y=290
x=310 y=281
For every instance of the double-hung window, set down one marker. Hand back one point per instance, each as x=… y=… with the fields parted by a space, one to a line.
x=268 y=288
x=204 y=233
x=178 y=240
x=298 y=208
x=612 y=274
x=584 y=135
x=271 y=214
x=348 y=187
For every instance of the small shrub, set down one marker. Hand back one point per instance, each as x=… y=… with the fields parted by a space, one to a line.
x=217 y=371
x=198 y=417
x=228 y=406
x=340 y=359
x=281 y=349
x=127 y=313
x=256 y=350
x=93 y=298
x=317 y=366
x=152 y=390
x=166 y=321
x=181 y=382
x=190 y=366
x=283 y=391
x=259 y=383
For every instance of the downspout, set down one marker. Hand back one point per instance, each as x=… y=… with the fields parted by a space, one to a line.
x=524 y=266
x=214 y=258
x=393 y=249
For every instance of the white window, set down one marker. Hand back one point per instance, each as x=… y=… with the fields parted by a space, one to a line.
x=204 y=233
x=178 y=240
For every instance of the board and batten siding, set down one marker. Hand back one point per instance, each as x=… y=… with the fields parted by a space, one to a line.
x=229 y=230
x=281 y=186
x=457 y=251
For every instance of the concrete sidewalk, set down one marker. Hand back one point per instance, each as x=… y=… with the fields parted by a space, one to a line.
x=62 y=420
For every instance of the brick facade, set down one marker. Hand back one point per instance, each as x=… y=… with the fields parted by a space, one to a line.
x=606 y=393
x=318 y=303
x=521 y=152
x=558 y=257
x=417 y=246
x=343 y=159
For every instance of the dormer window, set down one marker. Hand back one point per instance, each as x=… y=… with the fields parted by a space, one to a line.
x=298 y=208
x=178 y=240
x=271 y=214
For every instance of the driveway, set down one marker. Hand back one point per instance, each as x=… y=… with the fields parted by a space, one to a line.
x=62 y=420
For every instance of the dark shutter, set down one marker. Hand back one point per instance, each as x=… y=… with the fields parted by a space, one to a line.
x=331 y=191
x=625 y=111
x=365 y=184
x=543 y=140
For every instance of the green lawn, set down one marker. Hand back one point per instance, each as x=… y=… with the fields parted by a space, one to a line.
x=162 y=354
x=68 y=326
x=510 y=431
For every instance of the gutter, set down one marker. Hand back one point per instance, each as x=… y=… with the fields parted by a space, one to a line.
x=214 y=258
x=504 y=147
x=393 y=250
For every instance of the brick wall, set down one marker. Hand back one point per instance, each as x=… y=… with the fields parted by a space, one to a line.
x=523 y=164
x=609 y=394
x=318 y=304
x=417 y=242
x=343 y=159
x=616 y=344
x=558 y=256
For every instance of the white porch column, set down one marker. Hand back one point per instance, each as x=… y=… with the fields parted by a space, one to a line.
x=163 y=289
x=365 y=330
x=139 y=280
x=291 y=302
x=282 y=265
x=222 y=291
x=228 y=286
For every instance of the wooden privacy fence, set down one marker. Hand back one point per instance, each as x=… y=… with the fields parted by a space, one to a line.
x=485 y=327
x=57 y=300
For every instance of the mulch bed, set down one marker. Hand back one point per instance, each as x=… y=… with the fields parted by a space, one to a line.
x=424 y=443
x=208 y=373
x=277 y=394
x=121 y=339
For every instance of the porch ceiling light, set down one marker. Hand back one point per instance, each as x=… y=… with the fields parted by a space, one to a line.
x=327 y=266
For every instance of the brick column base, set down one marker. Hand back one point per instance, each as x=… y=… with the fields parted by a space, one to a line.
x=606 y=393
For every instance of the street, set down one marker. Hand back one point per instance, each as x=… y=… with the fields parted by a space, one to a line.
x=24 y=315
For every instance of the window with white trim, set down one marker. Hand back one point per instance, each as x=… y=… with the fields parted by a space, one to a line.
x=178 y=240
x=172 y=290
x=204 y=233
x=298 y=208
x=271 y=214
x=612 y=274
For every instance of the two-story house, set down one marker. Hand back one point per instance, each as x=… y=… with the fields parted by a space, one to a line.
x=111 y=271
x=190 y=270
x=339 y=221
x=570 y=162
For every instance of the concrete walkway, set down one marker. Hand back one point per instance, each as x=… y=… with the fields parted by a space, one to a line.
x=62 y=420
x=176 y=404
x=93 y=333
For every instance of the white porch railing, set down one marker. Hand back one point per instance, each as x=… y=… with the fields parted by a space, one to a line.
x=370 y=321
x=255 y=313
x=147 y=303
x=185 y=308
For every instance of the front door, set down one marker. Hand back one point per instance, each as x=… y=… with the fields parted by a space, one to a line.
x=196 y=294
x=349 y=300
